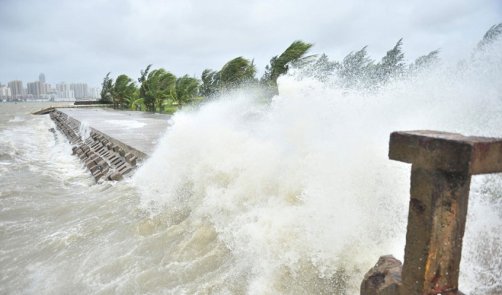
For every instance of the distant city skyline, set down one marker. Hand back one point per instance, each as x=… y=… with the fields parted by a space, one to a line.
x=14 y=90
x=42 y=78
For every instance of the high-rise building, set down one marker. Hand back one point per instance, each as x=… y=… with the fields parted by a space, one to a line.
x=48 y=88
x=64 y=92
x=16 y=88
x=4 y=93
x=36 y=89
x=61 y=87
x=80 y=90
x=41 y=77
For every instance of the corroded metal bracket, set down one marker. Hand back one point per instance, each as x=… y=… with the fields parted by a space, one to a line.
x=442 y=165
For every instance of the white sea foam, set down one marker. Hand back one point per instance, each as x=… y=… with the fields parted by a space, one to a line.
x=84 y=130
x=16 y=119
x=301 y=192
x=126 y=123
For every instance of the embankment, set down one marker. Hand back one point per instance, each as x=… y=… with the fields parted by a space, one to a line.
x=105 y=157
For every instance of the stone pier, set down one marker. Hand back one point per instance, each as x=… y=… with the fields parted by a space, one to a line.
x=117 y=141
x=442 y=166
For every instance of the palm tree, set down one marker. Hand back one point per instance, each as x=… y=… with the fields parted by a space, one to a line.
x=210 y=83
x=279 y=65
x=157 y=87
x=186 y=88
x=236 y=72
x=124 y=91
x=107 y=89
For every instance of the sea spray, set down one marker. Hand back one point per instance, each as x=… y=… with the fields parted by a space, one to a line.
x=84 y=130
x=300 y=192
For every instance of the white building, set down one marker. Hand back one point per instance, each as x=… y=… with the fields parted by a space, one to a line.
x=5 y=93
x=63 y=92
x=36 y=89
x=17 y=89
x=80 y=90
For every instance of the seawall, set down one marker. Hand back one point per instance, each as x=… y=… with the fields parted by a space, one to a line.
x=48 y=110
x=103 y=153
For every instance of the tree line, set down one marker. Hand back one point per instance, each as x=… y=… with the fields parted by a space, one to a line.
x=158 y=90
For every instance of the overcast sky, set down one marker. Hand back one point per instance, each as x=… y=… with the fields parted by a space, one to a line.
x=80 y=41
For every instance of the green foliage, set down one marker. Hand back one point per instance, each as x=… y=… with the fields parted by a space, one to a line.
x=162 y=91
x=279 y=65
x=138 y=105
x=157 y=87
x=186 y=88
x=124 y=92
x=170 y=109
x=144 y=74
x=107 y=89
x=233 y=74
x=210 y=83
x=142 y=85
x=236 y=72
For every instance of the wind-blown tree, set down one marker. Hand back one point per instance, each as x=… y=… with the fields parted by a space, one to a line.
x=491 y=35
x=279 y=65
x=139 y=103
x=320 y=68
x=392 y=64
x=185 y=90
x=210 y=83
x=355 y=68
x=325 y=67
x=233 y=74
x=236 y=72
x=107 y=89
x=425 y=61
x=157 y=87
x=124 y=92
x=144 y=74
x=358 y=70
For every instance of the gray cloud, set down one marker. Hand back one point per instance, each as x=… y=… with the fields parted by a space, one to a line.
x=83 y=40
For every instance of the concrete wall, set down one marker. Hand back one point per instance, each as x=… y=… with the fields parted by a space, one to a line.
x=105 y=157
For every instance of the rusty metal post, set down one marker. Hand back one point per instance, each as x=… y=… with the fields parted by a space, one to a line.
x=442 y=165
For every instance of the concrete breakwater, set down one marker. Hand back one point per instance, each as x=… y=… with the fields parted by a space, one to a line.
x=105 y=157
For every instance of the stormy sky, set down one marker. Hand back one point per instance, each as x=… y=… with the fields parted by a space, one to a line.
x=80 y=41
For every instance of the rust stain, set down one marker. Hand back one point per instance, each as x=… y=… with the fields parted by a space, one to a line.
x=482 y=150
